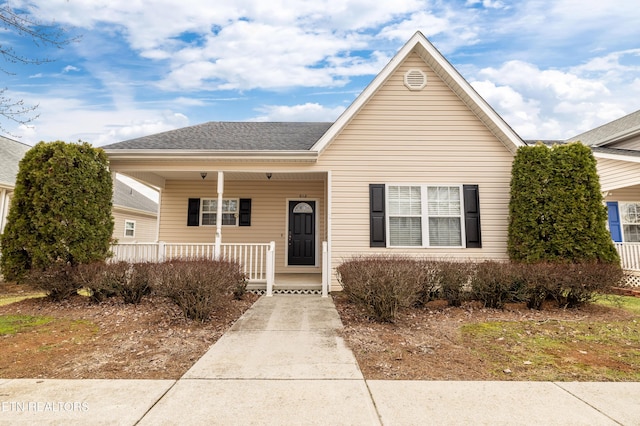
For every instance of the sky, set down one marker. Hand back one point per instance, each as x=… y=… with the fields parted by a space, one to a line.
x=551 y=68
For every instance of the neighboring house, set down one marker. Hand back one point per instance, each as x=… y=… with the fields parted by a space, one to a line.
x=419 y=163
x=11 y=152
x=135 y=215
x=616 y=147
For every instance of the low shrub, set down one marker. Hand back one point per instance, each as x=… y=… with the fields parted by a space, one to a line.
x=136 y=283
x=59 y=281
x=570 y=285
x=199 y=287
x=382 y=284
x=495 y=283
x=583 y=282
x=429 y=279
x=99 y=279
x=453 y=278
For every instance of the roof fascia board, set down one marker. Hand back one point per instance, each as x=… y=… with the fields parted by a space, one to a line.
x=419 y=39
x=619 y=157
x=132 y=210
x=165 y=155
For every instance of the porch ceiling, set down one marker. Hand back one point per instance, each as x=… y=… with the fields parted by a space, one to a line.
x=212 y=175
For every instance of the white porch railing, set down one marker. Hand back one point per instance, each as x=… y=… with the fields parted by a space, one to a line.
x=257 y=260
x=629 y=255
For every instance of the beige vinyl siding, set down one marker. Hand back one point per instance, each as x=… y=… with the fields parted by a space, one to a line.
x=146 y=226
x=416 y=137
x=269 y=206
x=631 y=194
x=616 y=174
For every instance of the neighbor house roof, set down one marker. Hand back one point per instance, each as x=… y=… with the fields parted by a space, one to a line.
x=232 y=136
x=11 y=152
x=127 y=197
x=614 y=131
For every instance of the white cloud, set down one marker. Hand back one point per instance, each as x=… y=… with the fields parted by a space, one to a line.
x=566 y=102
x=537 y=62
x=305 y=112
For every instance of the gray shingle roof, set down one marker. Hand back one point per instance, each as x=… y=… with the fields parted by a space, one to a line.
x=126 y=196
x=11 y=152
x=625 y=125
x=232 y=136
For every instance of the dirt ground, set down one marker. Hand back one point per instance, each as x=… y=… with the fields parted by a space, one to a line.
x=152 y=340
x=427 y=344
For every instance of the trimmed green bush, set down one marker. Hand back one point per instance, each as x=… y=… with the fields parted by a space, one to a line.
x=61 y=209
x=530 y=227
x=556 y=211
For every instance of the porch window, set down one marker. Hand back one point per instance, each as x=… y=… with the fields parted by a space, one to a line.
x=630 y=216
x=129 y=228
x=229 y=212
x=434 y=223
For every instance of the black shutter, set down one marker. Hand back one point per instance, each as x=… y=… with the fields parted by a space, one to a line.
x=193 y=215
x=245 y=212
x=472 y=216
x=377 y=234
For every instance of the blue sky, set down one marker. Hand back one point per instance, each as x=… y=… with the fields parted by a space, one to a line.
x=551 y=68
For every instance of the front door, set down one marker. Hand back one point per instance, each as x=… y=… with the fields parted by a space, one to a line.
x=302 y=232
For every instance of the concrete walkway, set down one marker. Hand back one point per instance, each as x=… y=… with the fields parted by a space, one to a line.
x=283 y=363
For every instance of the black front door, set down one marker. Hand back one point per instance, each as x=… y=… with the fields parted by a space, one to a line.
x=302 y=233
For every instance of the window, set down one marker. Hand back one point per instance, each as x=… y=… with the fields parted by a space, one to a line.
x=229 y=212
x=630 y=216
x=444 y=216
x=129 y=228
x=405 y=211
x=434 y=223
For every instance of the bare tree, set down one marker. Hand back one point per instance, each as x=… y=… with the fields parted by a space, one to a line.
x=42 y=35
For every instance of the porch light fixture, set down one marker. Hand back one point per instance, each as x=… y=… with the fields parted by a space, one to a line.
x=269 y=176
x=203 y=175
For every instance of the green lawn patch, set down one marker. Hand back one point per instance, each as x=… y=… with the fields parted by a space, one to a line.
x=12 y=324
x=561 y=350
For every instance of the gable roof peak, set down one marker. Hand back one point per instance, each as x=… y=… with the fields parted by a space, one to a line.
x=419 y=44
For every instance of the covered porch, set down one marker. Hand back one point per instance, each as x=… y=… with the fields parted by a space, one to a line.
x=273 y=222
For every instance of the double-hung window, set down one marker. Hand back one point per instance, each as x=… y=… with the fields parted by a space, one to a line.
x=129 y=228
x=229 y=212
x=630 y=215
x=425 y=216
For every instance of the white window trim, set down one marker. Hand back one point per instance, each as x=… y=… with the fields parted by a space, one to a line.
x=127 y=221
x=621 y=209
x=236 y=213
x=425 y=216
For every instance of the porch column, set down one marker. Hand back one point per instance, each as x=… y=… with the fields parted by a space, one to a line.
x=219 y=215
x=3 y=208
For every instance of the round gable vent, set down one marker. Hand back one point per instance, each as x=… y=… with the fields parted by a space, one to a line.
x=415 y=79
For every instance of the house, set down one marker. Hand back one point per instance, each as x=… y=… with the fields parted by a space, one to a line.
x=616 y=147
x=418 y=164
x=11 y=152
x=135 y=215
